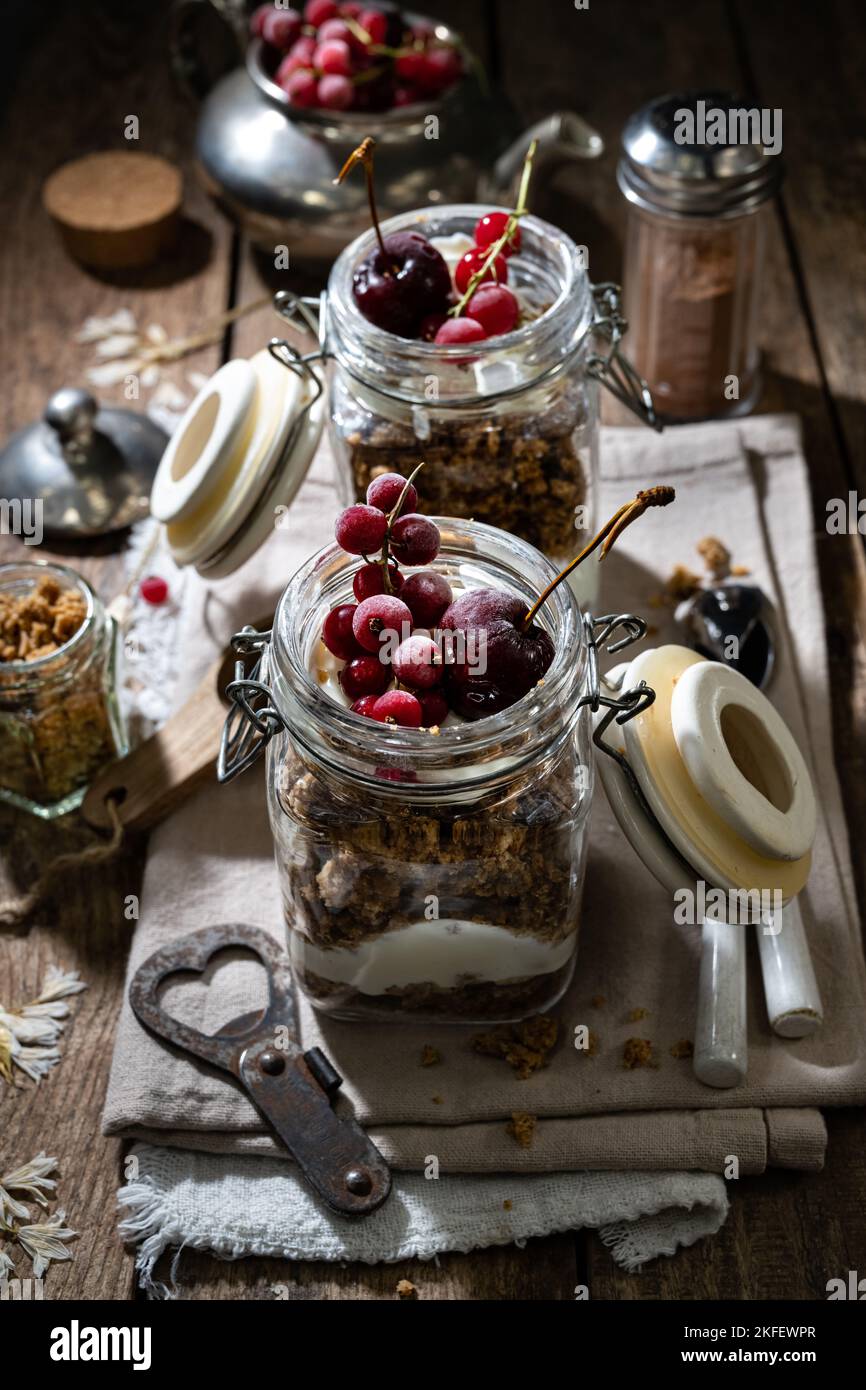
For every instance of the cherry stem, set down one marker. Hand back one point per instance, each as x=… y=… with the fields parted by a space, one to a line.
x=364 y=155
x=610 y=532
x=502 y=241
x=392 y=515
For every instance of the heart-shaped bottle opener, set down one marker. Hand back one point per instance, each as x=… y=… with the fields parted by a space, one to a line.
x=291 y=1089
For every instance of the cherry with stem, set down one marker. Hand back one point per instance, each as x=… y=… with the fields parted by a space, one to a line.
x=392 y=516
x=364 y=155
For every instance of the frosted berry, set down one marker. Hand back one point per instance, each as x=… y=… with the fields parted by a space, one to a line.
x=360 y=530
x=337 y=633
x=369 y=580
x=335 y=93
x=334 y=56
x=414 y=540
x=442 y=67
x=456 y=331
x=418 y=662
x=495 y=308
x=410 y=66
x=257 y=20
x=301 y=88
x=426 y=595
x=365 y=705
x=281 y=28
x=399 y=707
x=379 y=618
x=153 y=589
x=317 y=11
x=491 y=227
x=375 y=23
x=364 y=675
x=471 y=263
x=434 y=708
x=384 y=493
x=334 y=29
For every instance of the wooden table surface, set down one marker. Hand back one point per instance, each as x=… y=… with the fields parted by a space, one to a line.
x=67 y=92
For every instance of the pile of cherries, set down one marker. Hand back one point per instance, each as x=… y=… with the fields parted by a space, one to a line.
x=406 y=288
x=401 y=665
x=352 y=57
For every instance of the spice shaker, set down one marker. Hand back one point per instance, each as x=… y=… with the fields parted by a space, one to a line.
x=698 y=180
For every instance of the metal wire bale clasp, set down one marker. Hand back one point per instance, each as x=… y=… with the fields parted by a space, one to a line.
x=598 y=632
x=612 y=368
x=252 y=723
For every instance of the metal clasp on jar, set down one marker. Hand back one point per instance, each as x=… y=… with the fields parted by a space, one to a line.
x=612 y=368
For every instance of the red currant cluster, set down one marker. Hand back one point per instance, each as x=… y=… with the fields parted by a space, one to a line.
x=492 y=307
x=352 y=57
x=392 y=672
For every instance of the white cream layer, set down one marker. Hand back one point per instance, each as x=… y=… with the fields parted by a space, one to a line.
x=440 y=953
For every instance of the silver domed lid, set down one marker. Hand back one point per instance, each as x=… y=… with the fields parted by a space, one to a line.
x=700 y=154
x=89 y=468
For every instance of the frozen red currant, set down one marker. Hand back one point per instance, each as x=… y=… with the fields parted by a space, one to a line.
x=369 y=580
x=334 y=29
x=398 y=707
x=464 y=330
x=360 y=530
x=495 y=308
x=375 y=23
x=426 y=595
x=491 y=227
x=364 y=675
x=418 y=662
x=384 y=493
x=337 y=633
x=365 y=705
x=333 y=56
x=301 y=87
x=281 y=28
x=471 y=265
x=381 y=618
x=335 y=93
x=414 y=540
x=257 y=20
x=411 y=65
x=317 y=11
x=153 y=589
x=434 y=708
x=442 y=67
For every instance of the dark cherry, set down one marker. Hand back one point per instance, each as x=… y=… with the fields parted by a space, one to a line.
x=369 y=580
x=508 y=660
x=427 y=595
x=399 y=288
x=364 y=675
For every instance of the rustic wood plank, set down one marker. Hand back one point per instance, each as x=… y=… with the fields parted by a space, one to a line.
x=82 y=77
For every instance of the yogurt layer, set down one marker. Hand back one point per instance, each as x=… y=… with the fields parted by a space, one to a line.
x=440 y=953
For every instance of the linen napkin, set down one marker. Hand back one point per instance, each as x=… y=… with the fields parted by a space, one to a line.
x=744 y=482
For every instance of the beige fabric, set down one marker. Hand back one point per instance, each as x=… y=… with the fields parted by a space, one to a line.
x=212 y=862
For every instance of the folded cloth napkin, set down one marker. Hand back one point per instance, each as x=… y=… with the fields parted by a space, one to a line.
x=238 y=1206
x=212 y=862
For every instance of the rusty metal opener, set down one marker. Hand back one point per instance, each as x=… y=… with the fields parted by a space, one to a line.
x=291 y=1089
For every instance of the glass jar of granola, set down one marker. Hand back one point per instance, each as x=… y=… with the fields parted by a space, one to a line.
x=429 y=872
x=507 y=428
x=60 y=721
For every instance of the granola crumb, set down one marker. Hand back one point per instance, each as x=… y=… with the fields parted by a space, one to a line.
x=682 y=1049
x=434 y=730
x=598 y=1001
x=525 y=1046
x=430 y=1055
x=680 y=584
x=637 y=1052
x=406 y=1289
x=715 y=555
x=39 y=623
x=521 y=1127
x=636 y=1015
x=507 y=1204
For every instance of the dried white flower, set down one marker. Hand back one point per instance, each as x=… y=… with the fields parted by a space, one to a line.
x=169 y=397
x=33 y=1180
x=118 y=345
x=44 y=1241
x=112 y=373
x=95 y=328
x=29 y=1035
x=155 y=333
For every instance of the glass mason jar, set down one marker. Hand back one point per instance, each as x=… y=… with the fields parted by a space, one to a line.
x=508 y=428
x=60 y=720
x=430 y=874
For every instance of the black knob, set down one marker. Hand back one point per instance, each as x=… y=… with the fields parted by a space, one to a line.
x=272 y=1063
x=359 y=1182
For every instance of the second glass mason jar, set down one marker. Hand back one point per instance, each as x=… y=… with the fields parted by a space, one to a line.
x=430 y=874
x=60 y=720
x=507 y=429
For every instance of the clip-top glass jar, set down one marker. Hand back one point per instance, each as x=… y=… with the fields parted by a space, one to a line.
x=430 y=873
x=60 y=721
x=507 y=428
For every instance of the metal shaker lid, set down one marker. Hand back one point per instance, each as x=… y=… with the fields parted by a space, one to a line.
x=700 y=154
x=90 y=468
